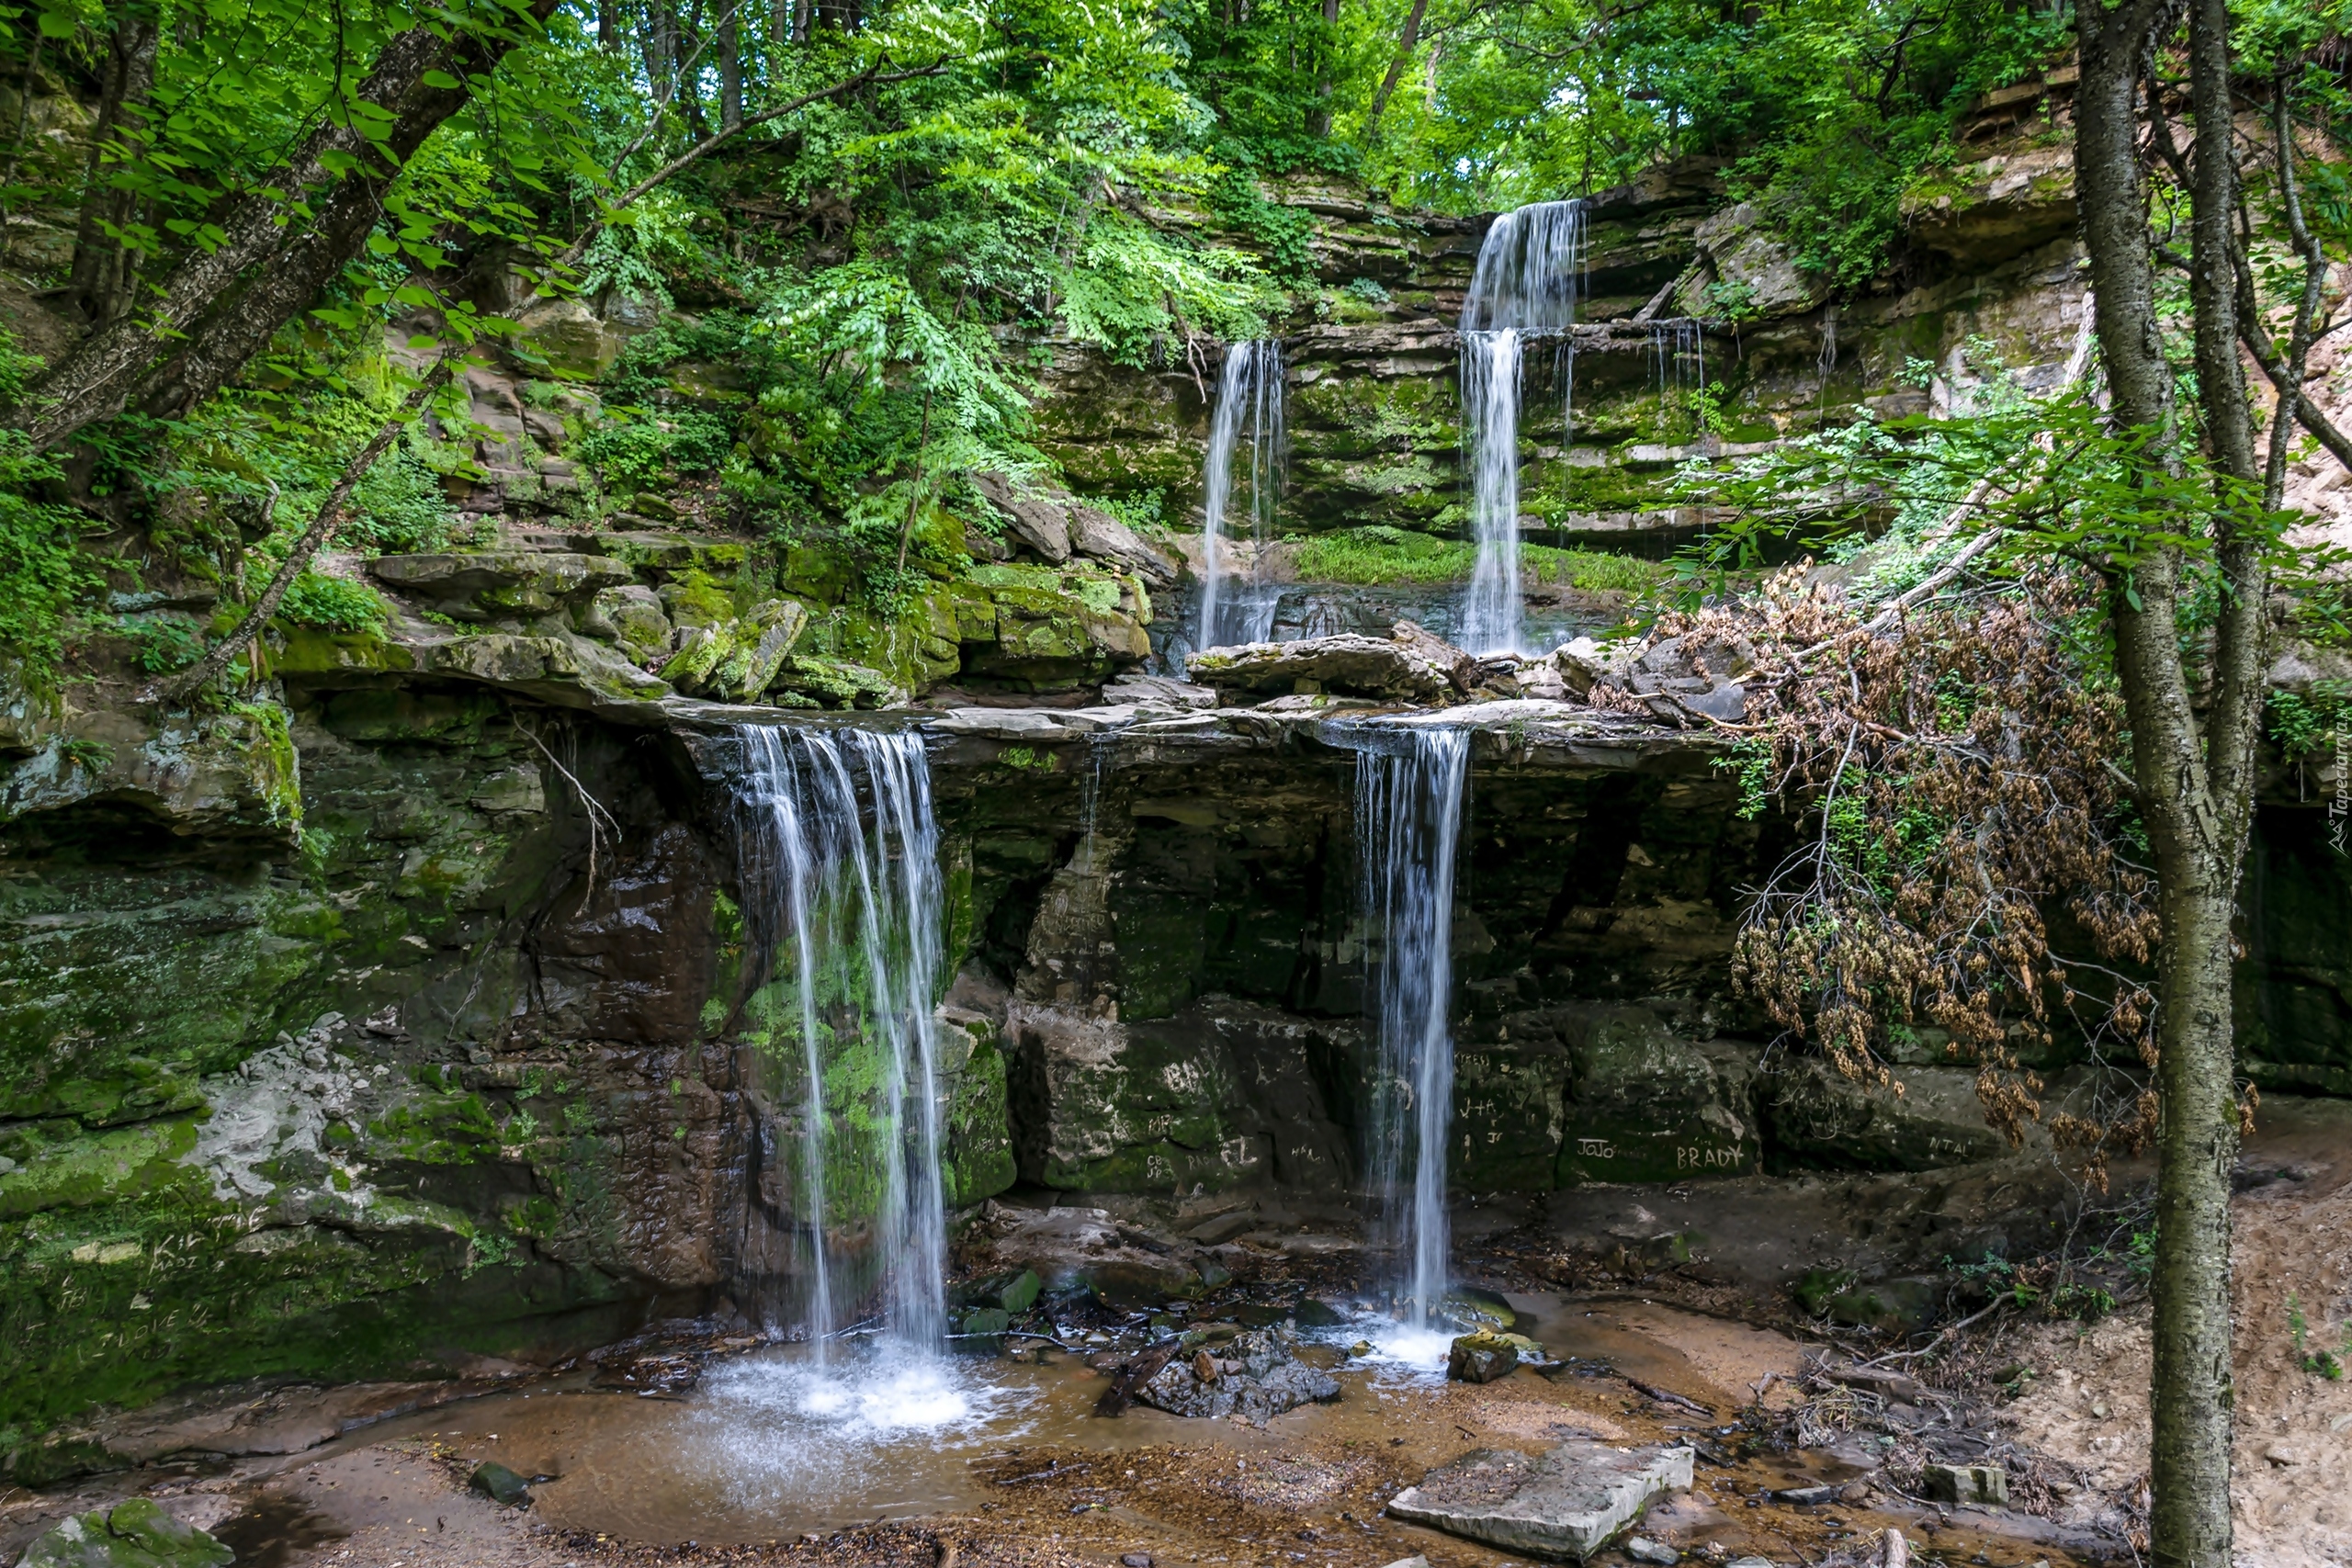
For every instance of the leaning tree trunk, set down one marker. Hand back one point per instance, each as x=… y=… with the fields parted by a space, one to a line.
x=279 y=244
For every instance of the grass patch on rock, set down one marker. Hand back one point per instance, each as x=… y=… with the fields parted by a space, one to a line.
x=1380 y=554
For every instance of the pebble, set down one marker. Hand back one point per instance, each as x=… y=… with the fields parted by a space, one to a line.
x=1136 y=1559
x=1641 y=1548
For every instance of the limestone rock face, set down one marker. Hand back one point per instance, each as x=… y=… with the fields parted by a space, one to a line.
x=499 y=585
x=1815 y=1114
x=1568 y=1503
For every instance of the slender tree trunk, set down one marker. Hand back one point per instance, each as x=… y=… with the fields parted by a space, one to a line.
x=730 y=67
x=2195 y=781
x=1406 y=42
x=608 y=25
x=103 y=266
x=314 y=539
x=1318 y=119
x=685 y=30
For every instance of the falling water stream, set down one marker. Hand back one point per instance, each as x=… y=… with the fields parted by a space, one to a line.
x=1411 y=783
x=841 y=865
x=1530 y=270
x=1245 y=433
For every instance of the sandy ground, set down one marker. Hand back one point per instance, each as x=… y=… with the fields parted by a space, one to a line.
x=2089 y=1401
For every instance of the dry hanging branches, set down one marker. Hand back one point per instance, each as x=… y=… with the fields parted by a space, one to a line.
x=1958 y=794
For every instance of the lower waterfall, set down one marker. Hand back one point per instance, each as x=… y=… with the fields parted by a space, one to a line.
x=839 y=872
x=1411 y=786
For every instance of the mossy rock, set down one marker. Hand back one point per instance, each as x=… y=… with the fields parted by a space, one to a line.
x=132 y=1534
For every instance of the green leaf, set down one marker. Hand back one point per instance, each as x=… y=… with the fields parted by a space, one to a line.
x=442 y=80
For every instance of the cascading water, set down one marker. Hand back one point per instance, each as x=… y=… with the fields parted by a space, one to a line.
x=840 y=861
x=1245 y=430
x=1411 y=783
x=1529 y=271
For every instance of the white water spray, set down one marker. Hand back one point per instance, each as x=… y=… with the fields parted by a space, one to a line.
x=1247 y=429
x=1529 y=271
x=841 y=855
x=1411 y=783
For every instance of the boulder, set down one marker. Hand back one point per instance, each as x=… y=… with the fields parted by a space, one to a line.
x=630 y=616
x=736 y=660
x=1569 y=1502
x=1481 y=1358
x=1645 y=1105
x=1411 y=665
x=1158 y=690
x=132 y=1534
x=1983 y=1483
x=1054 y=525
x=499 y=1484
x=1101 y=536
x=1033 y=522
x=1254 y=1375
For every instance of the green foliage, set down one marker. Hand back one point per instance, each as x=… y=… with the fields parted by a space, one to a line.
x=45 y=575
x=332 y=603
x=2304 y=724
x=1380 y=553
x=630 y=454
x=161 y=644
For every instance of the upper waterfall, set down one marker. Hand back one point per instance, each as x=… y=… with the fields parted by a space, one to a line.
x=1529 y=273
x=1246 y=429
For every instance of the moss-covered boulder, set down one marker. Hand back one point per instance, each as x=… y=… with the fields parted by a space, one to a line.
x=132 y=1534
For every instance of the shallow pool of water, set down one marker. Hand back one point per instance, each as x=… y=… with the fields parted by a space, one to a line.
x=772 y=1444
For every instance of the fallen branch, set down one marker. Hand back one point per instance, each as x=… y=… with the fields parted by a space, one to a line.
x=298 y=559
x=1665 y=1397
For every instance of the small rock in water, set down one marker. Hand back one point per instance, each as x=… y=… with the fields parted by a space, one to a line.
x=1259 y=1376
x=1641 y=1548
x=1482 y=1356
x=499 y=1484
x=1752 y=1562
x=1804 y=1496
x=1136 y=1559
x=1361 y=1348
x=1410 y=1563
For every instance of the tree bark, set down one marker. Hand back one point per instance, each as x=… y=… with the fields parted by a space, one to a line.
x=2194 y=782
x=101 y=280
x=1318 y=119
x=1406 y=42
x=730 y=68
x=203 y=298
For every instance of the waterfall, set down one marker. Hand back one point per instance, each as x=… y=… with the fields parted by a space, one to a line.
x=1248 y=410
x=1411 y=783
x=1530 y=268
x=840 y=860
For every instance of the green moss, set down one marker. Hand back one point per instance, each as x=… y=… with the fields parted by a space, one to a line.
x=77 y=1171
x=1383 y=555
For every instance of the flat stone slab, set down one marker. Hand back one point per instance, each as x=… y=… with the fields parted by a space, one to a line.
x=1567 y=1503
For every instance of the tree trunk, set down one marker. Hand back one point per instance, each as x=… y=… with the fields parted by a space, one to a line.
x=101 y=281
x=608 y=25
x=265 y=235
x=2194 y=783
x=1318 y=119
x=730 y=68
x=1406 y=42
